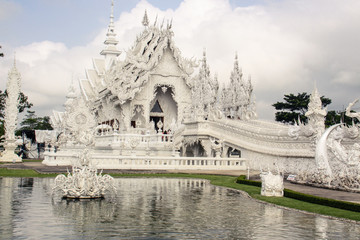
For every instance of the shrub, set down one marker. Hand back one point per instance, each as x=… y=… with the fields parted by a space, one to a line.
x=242 y=180
x=322 y=201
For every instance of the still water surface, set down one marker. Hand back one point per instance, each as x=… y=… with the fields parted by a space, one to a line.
x=154 y=209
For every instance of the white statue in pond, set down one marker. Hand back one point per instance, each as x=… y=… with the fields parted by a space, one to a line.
x=84 y=181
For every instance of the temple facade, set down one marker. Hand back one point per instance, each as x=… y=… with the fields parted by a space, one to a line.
x=159 y=110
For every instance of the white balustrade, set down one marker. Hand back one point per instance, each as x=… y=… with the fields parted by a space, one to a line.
x=117 y=139
x=149 y=162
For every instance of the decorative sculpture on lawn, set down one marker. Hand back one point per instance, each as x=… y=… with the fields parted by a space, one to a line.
x=271 y=185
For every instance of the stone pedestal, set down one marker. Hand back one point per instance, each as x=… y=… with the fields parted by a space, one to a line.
x=9 y=154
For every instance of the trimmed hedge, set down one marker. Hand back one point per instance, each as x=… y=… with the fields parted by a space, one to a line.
x=306 y=197
x=322 y=201
x=242 y=180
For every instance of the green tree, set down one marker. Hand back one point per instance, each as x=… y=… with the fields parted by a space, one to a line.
x=23 y=103
x=334 y=117
x=295 y=107
x=32 y=122
x=2 y=129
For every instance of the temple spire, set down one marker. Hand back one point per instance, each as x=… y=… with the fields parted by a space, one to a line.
x=204 y=56
x=236 y=62
x=205 y=66
x=237 y=72
x=14 y=59
x=11 y=115
x=110 y=52
x=316 y=113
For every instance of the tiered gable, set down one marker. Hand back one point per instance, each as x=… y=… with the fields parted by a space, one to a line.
x=152 y=47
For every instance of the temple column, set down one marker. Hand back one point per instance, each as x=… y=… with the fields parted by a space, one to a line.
x=224 y=152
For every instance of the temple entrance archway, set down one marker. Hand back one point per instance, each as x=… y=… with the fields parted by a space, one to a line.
x=163 y=108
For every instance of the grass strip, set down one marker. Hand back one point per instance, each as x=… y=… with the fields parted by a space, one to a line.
x=32 y=160
x=5 y=172
x=223 y=181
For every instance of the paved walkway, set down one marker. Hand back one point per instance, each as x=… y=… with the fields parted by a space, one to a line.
x=321 y=192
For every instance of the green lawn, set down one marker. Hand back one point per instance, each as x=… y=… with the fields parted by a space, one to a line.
x=4 y=172
x=224 y=181
x=26 y=160
x=32 y=160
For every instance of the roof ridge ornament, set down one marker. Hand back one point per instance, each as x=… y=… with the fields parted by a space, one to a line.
x=155 y=20
x=162 y=24
x=169 y=24
x=145 y=20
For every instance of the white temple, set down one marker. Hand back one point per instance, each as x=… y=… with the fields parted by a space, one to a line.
x=158 y=110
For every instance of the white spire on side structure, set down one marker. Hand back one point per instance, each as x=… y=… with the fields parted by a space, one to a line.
x=316 y=113
x=110 y=52
x=11 y=115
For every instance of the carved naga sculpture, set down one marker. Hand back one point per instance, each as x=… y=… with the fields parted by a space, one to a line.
x=352 y=114
x=342 y=169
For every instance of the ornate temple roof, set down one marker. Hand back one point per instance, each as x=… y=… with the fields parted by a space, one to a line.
x=126 y=78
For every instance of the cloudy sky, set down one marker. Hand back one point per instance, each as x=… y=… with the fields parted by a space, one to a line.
x=285 y=45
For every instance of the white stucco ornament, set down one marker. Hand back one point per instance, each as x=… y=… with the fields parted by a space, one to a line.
x=79 y=122
x=349 y=111
x=272 y=185
x=316 y=114
x=338 y=164
x=84 y=181
x=128 y=78
x=316 y=120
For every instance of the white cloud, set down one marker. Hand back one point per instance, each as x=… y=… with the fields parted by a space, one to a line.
x=37 y=52
x=47 y=69
x=284 y=45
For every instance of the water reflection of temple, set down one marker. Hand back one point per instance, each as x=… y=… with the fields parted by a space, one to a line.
x=6 y=208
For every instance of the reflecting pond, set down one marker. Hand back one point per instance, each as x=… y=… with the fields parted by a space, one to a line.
x=154 y=208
